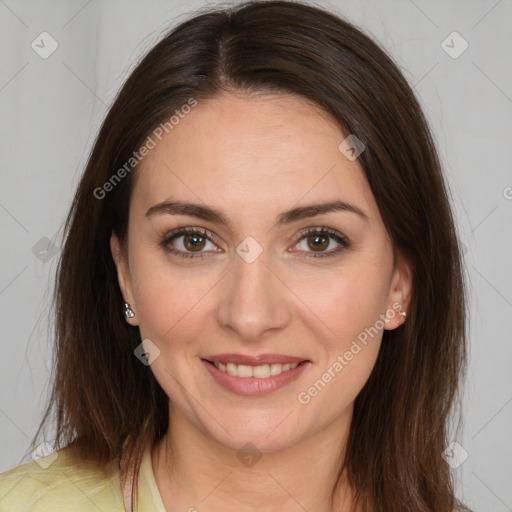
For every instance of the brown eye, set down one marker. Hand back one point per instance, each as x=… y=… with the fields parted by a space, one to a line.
x=188 y=242
x=194 y=242
x=318 y=242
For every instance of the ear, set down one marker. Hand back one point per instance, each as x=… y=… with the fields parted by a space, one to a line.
x=123 y=276
x=400 y=292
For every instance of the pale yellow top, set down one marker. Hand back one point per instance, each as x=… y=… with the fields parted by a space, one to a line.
x=55 y=484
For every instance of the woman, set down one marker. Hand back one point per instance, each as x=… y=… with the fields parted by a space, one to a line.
x=265 y=203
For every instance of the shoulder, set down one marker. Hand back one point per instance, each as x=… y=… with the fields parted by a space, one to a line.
x=57 y=483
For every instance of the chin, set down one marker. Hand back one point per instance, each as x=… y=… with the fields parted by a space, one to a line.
x=266 y=437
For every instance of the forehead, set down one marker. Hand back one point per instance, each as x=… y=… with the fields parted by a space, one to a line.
x=251 y=155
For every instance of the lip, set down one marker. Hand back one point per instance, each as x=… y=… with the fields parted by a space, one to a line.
x=254 y=360
x=252 y=386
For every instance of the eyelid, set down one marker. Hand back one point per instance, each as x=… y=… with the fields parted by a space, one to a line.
x=321 y=229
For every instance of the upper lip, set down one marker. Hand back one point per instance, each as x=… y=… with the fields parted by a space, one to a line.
x=254 y=360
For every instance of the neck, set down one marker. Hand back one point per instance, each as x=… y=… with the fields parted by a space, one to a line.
x=194 y=472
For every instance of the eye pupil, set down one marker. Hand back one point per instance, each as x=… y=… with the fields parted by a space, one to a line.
x=321 y=245
x=197 y=242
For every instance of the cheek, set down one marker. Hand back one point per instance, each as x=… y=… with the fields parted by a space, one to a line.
x=348 y=339
x=344 y=314
x=343 y=302
x=170 y=302
x=346 y=375
x=172 y=312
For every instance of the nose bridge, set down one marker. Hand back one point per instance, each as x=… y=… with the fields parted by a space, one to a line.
x=253 y=299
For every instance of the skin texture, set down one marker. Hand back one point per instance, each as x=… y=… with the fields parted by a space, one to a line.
x=253 y=157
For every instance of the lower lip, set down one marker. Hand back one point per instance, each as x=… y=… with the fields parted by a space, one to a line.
x=252 y=386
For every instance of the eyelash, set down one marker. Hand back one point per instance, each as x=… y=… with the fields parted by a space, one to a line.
x=331 y=233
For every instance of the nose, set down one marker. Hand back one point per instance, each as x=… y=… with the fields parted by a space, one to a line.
x=255 y=300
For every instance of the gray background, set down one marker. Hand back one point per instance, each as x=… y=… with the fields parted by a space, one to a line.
x=52 y=108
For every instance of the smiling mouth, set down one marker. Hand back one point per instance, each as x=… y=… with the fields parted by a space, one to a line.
x=263 y=371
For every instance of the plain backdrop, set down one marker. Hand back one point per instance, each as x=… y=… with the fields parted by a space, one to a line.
x=51 y=109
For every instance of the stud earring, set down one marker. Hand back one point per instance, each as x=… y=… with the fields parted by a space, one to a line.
x=127 y=311
x=403 y=314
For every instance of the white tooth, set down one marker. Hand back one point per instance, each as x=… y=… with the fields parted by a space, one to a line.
x=244 y=370
x=261 y=372
x=231 y=369
x=276 y=369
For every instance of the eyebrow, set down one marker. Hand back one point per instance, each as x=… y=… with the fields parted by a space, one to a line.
x=213 y=215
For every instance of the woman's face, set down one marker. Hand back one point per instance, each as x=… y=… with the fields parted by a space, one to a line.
x=253 y=282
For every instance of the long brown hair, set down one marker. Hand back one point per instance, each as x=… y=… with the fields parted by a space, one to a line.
x=104 y=398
